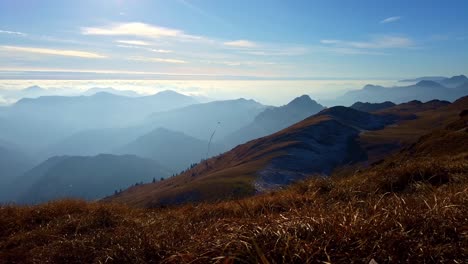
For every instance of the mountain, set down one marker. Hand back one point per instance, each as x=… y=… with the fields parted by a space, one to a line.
x=13 y=163
x=86 y=177
x=451 y=82
x=95 y=90
x=335 y=138
x=372 y=107
x=201 y=120
x=315 y=145
x=426 y=78
x=93 y=142
x=174 y=150
x=46 y=120
x=274 y=119
x=423 y=91
x=454 y=81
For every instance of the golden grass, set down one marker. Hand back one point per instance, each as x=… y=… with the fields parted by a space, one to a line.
x=400 y=211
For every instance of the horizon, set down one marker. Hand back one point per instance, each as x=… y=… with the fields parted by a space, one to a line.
x=226 y=50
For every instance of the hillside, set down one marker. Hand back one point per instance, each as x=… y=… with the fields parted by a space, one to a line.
x=409 y=208
x=84 y=177
x=335 y=137
x=170 y=148
x=13 y=163
x=201 y=120
x=274 y=119
x=315 y=145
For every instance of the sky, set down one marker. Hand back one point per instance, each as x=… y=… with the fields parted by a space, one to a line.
x=232 y=40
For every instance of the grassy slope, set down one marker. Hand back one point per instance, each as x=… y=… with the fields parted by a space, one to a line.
x=222 y=177
x=417 y=120
x=410 y=208
x=231 y=175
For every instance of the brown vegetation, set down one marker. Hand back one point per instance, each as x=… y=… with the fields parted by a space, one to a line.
x=397 y=212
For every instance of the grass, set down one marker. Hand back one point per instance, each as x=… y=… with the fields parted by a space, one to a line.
x=396 y=212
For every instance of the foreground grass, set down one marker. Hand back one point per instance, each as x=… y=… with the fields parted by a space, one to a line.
x=412 y=211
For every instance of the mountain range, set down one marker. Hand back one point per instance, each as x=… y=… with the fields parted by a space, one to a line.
x=334 y=138
x=85 y=177
x=426 y=89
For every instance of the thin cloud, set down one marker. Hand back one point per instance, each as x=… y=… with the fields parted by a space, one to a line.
x=57 y=52
x=390 y=19
x=161 y=50
x=134 y=42
x=368 y=47
x=163 y=60
x=241 y=44
x=136 y=29
x=12 y=32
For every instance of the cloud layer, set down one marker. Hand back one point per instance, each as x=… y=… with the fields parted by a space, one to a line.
x=57 y=52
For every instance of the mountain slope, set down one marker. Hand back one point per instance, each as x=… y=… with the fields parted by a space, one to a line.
x=201 y=120
x=411 y=208
x=175 y=150
x=85 y=177
x=315 y=145
x=13 y=163
x=333 y=138
x=274 y=119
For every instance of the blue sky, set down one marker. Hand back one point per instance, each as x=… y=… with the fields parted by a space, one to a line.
x=208 y=39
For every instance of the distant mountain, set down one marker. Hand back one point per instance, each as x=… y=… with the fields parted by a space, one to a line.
x=174 y=150
x=13 y=163
x=86 y=177
x=371 y=107
x=423 y=91
x=451 y=82
x=110 y=90
x=13 y=95
x=45 y=120
x=426 y=78
x=454 y=81
x=274 y=119
x=93 y=142
x=201 y=120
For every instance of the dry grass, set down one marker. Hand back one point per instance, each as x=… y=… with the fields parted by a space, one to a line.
x=400 y=211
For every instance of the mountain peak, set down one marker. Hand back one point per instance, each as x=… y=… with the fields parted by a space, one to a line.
x=371 y=87
x=301 y=100
x=168 y=92
x=459 y=77
x=34 y=88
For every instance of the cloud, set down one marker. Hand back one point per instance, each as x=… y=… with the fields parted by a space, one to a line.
x=161 y=51
x=241 y=44
x=68 y=53
x=369 y=47
x=134 y=42
x=163 y=60
x=390 y=20
x=136 y=29
x=329 y=41
x=12 y=32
